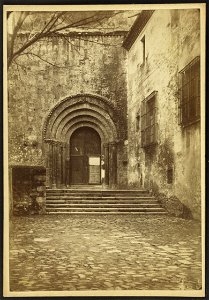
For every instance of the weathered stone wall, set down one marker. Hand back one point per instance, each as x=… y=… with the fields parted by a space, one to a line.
x=77 y=64
x=28 y=190
x=172 y=41
x=122 y=159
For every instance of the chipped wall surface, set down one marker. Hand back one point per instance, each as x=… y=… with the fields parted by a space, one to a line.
x=82 y=63
x=172 y=42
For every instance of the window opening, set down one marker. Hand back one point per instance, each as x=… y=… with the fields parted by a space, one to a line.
x=189 y=102
x=137 y=121
x=170 y=175
x=143 y=49
x=149 y=121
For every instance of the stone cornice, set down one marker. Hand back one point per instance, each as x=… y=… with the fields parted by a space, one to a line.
x=83 y=33
x=136 y=28
x=94 y=33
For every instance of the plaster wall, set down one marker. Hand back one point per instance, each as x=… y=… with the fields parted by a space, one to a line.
x=172 y=39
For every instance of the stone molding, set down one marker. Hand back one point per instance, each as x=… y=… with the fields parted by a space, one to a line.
x=102 y=104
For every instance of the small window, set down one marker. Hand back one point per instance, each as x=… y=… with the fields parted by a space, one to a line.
x=170 y=175
x=137 y=121
x=143 y=49
x=149 y=121
x=189 y=102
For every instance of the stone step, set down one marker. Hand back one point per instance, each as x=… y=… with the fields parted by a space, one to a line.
x=68 y=191
x=104 y=209
x=99 y=198
x=86 y=201
x=86 y=186
x=102 y=201
x=94 y=196
x=108 y=213
x=98 y=195
x=48 y=205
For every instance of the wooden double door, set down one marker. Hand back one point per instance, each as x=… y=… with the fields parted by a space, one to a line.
x=85 y=156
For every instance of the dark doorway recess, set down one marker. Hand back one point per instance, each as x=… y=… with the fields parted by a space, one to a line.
x=85 y=156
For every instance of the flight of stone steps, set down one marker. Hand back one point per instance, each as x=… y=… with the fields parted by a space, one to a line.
x=101 y=201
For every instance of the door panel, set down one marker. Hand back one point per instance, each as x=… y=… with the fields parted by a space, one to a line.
x=77 y=165
x=94 y=170
x=85 y=152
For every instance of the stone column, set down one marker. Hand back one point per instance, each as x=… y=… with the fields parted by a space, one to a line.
x=54 y=165
x=58 y=164
x=67 y=166
x=47 y=158
x=106 y=163
x=61 y=165
x=113 y=164
x=50 y=164
x=64 y=165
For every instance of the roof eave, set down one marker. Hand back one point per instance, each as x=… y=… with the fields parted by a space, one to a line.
x=136 y=28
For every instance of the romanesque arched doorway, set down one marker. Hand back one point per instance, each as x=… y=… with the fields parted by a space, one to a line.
x=85 y=156
x=91 y=123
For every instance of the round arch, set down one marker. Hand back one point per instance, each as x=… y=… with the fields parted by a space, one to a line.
x=67 y=116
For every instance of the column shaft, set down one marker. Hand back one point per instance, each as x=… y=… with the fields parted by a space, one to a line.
x=113 y=164
x=106 y=163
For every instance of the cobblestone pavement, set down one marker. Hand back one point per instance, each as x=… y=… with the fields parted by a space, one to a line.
x=56 y=253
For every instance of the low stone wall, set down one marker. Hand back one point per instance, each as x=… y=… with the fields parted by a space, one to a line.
x=174 y=206
x=29 y=190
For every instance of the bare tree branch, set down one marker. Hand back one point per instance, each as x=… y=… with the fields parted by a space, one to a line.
x=19 y=71
x=20 y=65
x=46 y=61
x=34 y=39
x=74 y=46
x=84 y=22
x=21 y=19
x=50 y=28
x=54 y=21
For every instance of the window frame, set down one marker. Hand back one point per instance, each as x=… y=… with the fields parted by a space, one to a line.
x=149 y=125
x=186 y=115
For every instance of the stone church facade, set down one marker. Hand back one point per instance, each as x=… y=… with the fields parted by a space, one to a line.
x=110 y=109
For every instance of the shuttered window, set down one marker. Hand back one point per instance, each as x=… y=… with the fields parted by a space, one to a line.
x=189 y=101
x=149 y=121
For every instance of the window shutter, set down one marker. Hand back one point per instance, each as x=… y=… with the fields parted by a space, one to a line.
x=143 y=122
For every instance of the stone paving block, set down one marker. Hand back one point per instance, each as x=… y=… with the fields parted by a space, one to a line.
x=76 y=255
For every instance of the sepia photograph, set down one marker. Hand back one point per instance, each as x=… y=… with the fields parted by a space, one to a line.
x=104 y=140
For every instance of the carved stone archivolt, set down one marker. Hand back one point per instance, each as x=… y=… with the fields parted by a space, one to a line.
x=77 y=109
x=67 y=116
